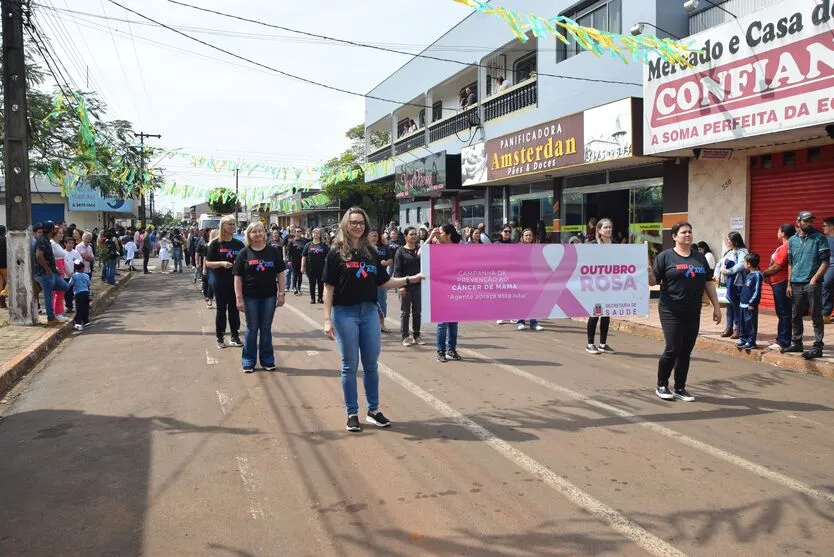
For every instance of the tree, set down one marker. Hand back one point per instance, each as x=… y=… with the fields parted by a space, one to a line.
x=223 y=201
x=377 y=199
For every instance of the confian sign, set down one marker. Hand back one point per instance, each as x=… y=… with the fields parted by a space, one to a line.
x=766 y=72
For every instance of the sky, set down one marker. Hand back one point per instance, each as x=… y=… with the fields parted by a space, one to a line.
x=207 y=103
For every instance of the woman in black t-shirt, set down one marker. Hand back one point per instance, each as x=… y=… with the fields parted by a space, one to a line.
x=259 y=275
x=312 y=264
x=220 y=257
x=352 y=274
x=682 y=275
x=407 y=262
x=386 y=259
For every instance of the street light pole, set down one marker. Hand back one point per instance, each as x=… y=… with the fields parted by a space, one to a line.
x=142 y=215
x=237 y=202
x=16 y=167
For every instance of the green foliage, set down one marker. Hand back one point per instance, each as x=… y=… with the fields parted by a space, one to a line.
x=377 y=199
x=223 y=201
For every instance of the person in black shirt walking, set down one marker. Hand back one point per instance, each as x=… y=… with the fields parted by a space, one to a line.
x=220 y=256
x=259 y=276
x=312 y=264
x=351 y=277
x=682 y=274
x=407 y=263
x=295 y=248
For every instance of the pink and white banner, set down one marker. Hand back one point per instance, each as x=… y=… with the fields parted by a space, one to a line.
x=533 y=281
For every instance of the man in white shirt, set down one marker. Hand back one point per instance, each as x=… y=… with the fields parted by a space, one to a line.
x=130 y=253
x=503 y=84
x=484 y=237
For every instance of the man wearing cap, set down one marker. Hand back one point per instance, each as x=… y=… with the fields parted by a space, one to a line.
x=808 y=255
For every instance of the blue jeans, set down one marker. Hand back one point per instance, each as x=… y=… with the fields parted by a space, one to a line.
x=382 y=301
x=177 y=260
x=783 y=312
x=447 y=331
x=49 y=285
x=288 y=275
x=110 y=271
x=828 y=292
x=258 y=338
x=357 y=334
x=733 y=309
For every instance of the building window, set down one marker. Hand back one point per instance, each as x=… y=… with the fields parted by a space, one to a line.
x=524 y=67
x=472 y=215
x=604 y=15
x=408 y=216
x=814 y=154
x=789 y=158
x=437 y=111
x=419 y=216
x=767 y=161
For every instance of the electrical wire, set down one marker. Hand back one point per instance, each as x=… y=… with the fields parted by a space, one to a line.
x=121 y=64
x=141 y=74
x=381 y=48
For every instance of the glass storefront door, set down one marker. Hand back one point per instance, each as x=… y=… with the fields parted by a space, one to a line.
x=442 y=212
x=636 y=208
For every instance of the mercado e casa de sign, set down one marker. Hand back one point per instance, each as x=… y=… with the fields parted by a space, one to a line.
x=770 y=71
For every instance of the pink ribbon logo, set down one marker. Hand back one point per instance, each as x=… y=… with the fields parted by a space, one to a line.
x=554 y=281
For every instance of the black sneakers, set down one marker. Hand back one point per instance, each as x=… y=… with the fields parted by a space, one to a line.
x=792 y=348
x=248 y=369
x=353 y=424
x=235 y=341
x=453 y=355
x=441 y=356
x=605 y=349
x=813 y=353
x=221 y=343
x=682 y=394
x=377 y=419
x=664 y=393
x=269 y=368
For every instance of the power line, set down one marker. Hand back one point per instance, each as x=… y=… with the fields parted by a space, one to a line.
x=121 y=64
x=381 y=48
x=141 y=75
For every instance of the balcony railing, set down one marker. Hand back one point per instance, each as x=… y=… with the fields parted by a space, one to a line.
x=460 y=122
x=515 y=98
x=411 y=141
x=380 y=154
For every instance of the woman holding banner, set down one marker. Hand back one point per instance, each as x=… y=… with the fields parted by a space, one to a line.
x=447 y=333
x=352 y=275
x=528 y=237
x=603 y=234
x=682 y=273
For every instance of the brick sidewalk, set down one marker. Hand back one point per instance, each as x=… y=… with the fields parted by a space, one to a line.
x=21 y=347
x=710 y=339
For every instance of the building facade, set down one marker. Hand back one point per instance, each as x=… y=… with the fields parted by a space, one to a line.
x=753 y=117
x=528 y=131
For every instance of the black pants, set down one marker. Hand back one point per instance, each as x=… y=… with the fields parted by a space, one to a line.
x=68 y=298
x=146 y=254
x=680 y=329
x=316 y=284
x=82 y=309
x=604 y=322
x=410 y=304
x=224 y=295
x=806 y=297
x=297 y=277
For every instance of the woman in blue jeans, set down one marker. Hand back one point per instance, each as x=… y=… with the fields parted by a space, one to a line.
x=259 y=275
x=777 y=275
x=352 y=274
x=447 y=333
x=731 y=267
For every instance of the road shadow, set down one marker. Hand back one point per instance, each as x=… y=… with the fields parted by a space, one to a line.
x=77 y=484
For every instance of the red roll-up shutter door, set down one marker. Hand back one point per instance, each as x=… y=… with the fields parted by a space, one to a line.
x=778 y=193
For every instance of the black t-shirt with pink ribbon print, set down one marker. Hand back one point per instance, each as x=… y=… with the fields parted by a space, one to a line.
x=355 y=281
x=259 y=271
x=223 y=251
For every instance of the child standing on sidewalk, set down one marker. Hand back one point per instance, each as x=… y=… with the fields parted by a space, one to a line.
x=751 y=295
x=130 y=253
x=80 y=284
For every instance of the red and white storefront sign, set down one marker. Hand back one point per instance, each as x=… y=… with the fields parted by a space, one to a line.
x=767 y=72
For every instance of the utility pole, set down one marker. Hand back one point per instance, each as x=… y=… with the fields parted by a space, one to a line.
x=142 y=214
x=237 y=203
x=16 y=167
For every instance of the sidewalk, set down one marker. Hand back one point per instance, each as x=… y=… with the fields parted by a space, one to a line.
x=710 y=339
x=21 y=347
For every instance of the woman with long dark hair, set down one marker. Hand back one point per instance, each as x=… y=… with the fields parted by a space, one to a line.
x=602 y=235
x=447 y=333
x=731 y=269
x=682 y=275
x=352 y=275
x=407 y=263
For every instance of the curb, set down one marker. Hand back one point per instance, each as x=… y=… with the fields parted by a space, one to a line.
x=787 y=362
x=24 y=361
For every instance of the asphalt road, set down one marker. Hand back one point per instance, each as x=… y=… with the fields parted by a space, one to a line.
x=140 y=437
